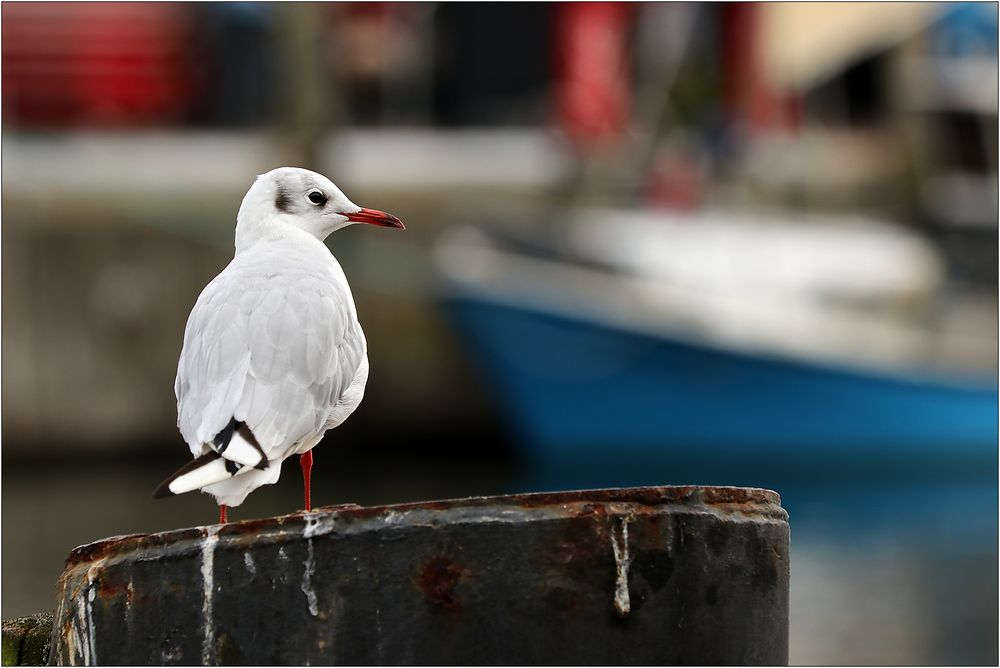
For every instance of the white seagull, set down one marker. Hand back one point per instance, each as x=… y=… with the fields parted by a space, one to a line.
x=273 y=354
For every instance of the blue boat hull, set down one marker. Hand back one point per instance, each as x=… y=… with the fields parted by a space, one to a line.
x=576 y=390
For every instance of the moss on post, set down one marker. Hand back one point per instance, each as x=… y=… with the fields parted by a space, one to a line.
x=26 y=640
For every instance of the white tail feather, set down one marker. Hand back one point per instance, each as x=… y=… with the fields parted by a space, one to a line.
x=241 y=452
x=208 y=474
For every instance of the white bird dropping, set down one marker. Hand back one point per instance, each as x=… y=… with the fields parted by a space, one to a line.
x=273 y=354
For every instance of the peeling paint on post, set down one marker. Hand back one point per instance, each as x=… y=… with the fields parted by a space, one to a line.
x=656 y=575
x=622 y=562
x=208 y=593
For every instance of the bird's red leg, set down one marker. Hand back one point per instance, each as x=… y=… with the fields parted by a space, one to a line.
x=306 y=462
x=223 y=513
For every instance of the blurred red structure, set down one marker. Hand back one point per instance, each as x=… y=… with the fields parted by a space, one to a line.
x=750 y=101
x=97 y=64
x=594 y=90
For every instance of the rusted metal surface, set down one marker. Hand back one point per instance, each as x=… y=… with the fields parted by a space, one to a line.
x=660 y=575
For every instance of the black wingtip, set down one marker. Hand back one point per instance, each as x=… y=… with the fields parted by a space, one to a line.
x=163 y=490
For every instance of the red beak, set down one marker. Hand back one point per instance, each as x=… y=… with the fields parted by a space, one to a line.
x=375 y=217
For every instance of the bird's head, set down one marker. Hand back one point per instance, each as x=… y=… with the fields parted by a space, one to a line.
x=306 y=200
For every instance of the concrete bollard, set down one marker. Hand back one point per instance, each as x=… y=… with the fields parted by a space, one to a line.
x=658 y=575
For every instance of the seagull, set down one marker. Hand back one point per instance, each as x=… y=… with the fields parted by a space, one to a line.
x=273 y=355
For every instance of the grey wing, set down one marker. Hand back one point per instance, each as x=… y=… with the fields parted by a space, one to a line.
x=275 y=352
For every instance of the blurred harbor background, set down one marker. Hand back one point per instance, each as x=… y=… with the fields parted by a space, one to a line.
x=744 y=244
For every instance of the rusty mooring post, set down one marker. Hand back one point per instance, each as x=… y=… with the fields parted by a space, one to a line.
x=658 y=575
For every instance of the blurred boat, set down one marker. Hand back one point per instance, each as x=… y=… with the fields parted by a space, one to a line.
x=726 y=339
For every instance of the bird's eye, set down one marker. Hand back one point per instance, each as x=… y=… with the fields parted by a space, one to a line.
x=316 y=197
